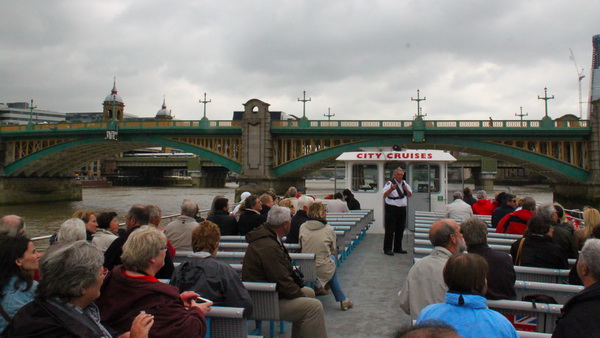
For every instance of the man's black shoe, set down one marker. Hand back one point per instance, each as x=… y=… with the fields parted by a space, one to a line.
x=400 y=251
x=389 y=253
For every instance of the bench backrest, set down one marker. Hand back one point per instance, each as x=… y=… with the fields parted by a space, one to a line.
x=542 y=315
x=265 y=300
x=226 y=322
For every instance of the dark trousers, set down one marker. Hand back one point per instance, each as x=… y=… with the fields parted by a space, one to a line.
x=395 y=222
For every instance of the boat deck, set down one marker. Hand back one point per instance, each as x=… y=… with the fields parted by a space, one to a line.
x=372 y=281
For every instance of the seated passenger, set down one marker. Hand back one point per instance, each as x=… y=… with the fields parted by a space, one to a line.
x=131 y=288
x=137 y=216
x=299 y=218
x=591 y=220
x=288 y=204
x=560 y=236
x=465 y=308
x=337 y=204
x=458 y=209
x=516 y=222
x=251 y=218
x=579 y=316
x=179 y=231
x=317 y=237
x=91 y=224
x=12 y=225
x=483 y=206
x=268 y=261
x=64 y=307
x=536 y=249
x=107 y=231
x=228 y=225
x=18 y=261
x=500 y=279
x=209 y=277
x=353 y=203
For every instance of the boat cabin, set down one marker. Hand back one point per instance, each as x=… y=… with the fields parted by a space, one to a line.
x=426 y=171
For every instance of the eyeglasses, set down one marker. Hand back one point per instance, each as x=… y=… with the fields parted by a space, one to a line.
x=165 y=248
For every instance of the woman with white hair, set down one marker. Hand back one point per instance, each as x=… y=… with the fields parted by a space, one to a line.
x=63 y=307
x=131 y=288
x=71 y=231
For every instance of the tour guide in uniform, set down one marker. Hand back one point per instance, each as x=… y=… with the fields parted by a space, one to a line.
x=396 y=193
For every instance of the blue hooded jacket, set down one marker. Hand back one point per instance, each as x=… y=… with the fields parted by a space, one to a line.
x=470 y=319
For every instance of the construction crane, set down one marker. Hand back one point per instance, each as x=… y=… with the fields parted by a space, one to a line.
x=580 y=77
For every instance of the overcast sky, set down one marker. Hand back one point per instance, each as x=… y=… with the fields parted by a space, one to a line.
x=363 y=59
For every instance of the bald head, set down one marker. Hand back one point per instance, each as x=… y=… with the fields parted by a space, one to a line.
x=12 y=225
x=446 y=233
x=189 y=208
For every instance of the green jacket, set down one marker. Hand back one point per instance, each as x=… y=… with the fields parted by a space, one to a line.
x=267 y=261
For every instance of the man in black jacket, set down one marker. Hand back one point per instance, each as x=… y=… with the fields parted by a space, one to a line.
x=580 y=313
x=267 y=261
x=501 y=278
x=137 y=216
x=508 y=204
x=228 y=225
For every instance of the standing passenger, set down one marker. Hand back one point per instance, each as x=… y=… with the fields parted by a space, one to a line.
x=396 y=193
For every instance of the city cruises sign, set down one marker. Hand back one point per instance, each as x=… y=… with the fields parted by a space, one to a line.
x=406 y=155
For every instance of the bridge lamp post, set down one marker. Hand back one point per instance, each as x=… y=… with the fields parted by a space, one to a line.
x=304 y=100
x=329 y=114
x=419 y=99
x=521 y=115
x=546 y=98
x=205 y=102
x=31 y=108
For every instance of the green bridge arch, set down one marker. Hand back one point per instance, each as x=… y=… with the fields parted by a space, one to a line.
x=73 y=154
x=555 y=169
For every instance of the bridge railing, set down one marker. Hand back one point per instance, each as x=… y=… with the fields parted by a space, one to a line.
x=296 y=123
x=433 y=124
x=122 y=124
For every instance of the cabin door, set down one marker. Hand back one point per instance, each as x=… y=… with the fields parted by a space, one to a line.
x=419 y=178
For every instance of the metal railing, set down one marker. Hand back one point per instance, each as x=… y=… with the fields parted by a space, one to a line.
x=121 y=124
x=296 y=123
x=433 y=124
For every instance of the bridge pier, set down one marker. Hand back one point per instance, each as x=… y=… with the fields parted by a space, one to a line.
x=20 y=190
x=484 y=176
x=212 y=177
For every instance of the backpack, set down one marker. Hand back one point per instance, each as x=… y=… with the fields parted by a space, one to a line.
x=539 y=298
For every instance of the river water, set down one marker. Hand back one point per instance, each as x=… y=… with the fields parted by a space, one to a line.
x=45 y=218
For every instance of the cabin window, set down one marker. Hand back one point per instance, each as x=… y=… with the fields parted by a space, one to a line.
x=364 y=178
x=425 y=178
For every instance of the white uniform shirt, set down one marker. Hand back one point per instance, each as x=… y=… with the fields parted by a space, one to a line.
x=401 y=202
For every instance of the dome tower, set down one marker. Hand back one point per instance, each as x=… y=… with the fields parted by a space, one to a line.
x=164 y=113
x=113 y=103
